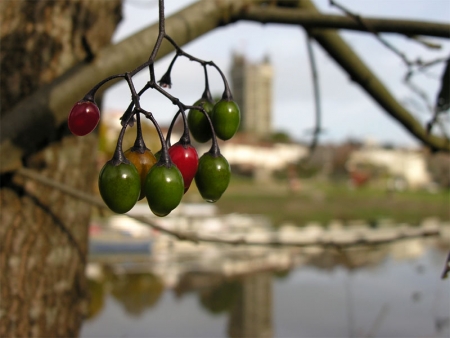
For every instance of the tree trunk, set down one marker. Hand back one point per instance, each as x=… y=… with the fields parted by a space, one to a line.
x=43 y=233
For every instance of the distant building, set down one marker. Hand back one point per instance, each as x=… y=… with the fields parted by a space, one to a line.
x=252 y=90
x=408 y=165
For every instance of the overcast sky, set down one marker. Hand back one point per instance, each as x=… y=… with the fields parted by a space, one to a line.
x=347 y=110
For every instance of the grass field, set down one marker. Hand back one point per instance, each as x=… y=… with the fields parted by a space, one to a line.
x=322 y=202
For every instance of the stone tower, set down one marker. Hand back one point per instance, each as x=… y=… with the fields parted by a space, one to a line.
x=252 y=89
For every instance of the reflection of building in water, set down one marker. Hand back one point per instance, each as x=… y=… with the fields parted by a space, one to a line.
x=252 y=90
x=251 y=315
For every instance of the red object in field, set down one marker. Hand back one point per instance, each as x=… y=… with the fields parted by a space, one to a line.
x=359 y=178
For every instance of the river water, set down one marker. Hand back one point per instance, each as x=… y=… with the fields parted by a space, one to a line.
x=385 y=291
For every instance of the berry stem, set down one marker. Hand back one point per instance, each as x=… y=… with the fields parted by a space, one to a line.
x=185 y=139
x=130 y=112
x=135 y=97
x=166 y=80
x=135 y=108
x=164 y=158
x=215 y=150
x=169 y=132
x=150 y=63
x=139 y=144
x=161 y=33
x=118 y=156
x=227 y=95
x=207 y=94
x=90 y=96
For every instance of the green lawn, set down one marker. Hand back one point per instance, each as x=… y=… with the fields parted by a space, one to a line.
x=322 y=202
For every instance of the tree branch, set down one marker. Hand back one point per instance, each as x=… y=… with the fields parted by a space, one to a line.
x=324 y=242
x=363 y=22
x=309 y=18
x=338 y=49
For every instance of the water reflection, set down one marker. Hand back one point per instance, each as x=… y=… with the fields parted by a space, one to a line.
x=247 y=300
x=251 y=315
x=221 y=298
x=97 y=297
x=136 y=292
x=387 y=291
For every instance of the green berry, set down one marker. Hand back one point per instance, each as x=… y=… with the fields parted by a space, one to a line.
x=198 y=123
x=226 y=118
x=213 y=176
x=164 y=188
x=119 y=186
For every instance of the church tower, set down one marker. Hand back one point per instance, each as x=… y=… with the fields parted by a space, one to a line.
x=252 y=90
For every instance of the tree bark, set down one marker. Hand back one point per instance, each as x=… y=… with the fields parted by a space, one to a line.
x=43 y=232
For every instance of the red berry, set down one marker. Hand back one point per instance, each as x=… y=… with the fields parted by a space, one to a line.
x=186 y=160
x=83 y=118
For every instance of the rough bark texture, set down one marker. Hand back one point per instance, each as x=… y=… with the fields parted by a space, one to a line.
x=42 y=39
x=43 y=233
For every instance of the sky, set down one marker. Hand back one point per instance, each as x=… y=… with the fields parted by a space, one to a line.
x=348 y=112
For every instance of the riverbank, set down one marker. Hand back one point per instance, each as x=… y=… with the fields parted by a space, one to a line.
x=323 y=202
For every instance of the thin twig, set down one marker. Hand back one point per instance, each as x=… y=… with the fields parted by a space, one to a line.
x=418 y=91
x=409 y=63
x=424 y=42
x=412 y=66
x=309 y=19
x=89 y=199
x=318 y=113
x=446 y=267
x=358 y=18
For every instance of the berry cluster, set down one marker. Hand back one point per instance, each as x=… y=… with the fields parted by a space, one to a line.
x=164 y=177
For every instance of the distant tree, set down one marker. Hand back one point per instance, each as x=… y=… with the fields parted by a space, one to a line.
x=280 y=136
x=439 y=167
